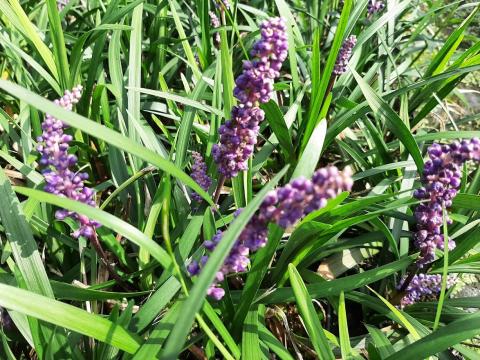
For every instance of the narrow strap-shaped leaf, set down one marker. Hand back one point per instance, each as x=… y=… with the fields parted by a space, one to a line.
x=59 y=49
x=154 y=305
x=277 y=122
x=104 y=218
x=334 y=287
x=13 y=9
x=135 y=71
x=310 y=156
x=310 y=316
x=345 y=346
x=21 y=239
x=31 y=271
x=159 y=334
x=255 y=276
x=250 y=339
x=101 y=132
x=272 y=342
x=186 y=46
x=380 y=340
x=67 y=316
x=393 y=121
x=195 y=300
x=441 y=339
x=399 y=316
x=326 y=76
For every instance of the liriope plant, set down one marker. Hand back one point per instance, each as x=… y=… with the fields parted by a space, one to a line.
x=238 y=179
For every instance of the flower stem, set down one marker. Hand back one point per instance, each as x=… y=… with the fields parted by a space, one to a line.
x=407 y=281
x=101 y=253
x=178 y=272
x=221 y=182
x=330 y=85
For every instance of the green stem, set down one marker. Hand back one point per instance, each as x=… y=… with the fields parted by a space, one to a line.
x=125 y=184
x=103 y=256
x=177 y=270
x=444 y=273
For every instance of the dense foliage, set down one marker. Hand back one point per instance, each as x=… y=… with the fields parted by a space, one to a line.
x=253 y=179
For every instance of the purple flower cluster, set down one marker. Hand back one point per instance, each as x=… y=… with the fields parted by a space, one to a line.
x=344 y=55
x=441 y=180
x=215 y=24
x=284 y=207
x=61 y=4
x=199 y=174
x=60 y=179
x=375 y=6
x=238 y=136
x=424 y=287
x=222 y=4
x=214 y=19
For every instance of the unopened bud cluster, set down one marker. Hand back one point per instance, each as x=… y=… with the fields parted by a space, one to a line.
x=284 y=207
x=238 y=136
x=199 y=174
x=344 y=55
x=60 y=177
x=375 y=6
x=441 y=180
x=424 y=287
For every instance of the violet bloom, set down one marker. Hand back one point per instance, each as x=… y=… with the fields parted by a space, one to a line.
x=375 y=6
x=238 y=136
x=283 y=206
x=60 y=178
x=199 y=174
x=423 y=287
x=441 y=179
x=344 y=55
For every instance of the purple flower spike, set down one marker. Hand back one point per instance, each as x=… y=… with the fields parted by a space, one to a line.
x=375 y=6
x=60 y=178
x=284 y=207
x=424 y=287
x=344 y=55
x=238 y=136
x=199 y=174
x=441 y=179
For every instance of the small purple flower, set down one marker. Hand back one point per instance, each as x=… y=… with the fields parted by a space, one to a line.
x=423 y=287
x=284 y=207
x=375 y=6
x=441 y=179
x=199 y=174
x=238 y=136
x=60 y=178
x=344 y=55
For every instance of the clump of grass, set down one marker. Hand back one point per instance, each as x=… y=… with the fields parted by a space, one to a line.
x=110 y=249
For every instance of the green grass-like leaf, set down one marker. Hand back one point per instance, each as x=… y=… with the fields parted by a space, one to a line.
x=309 y=315
x=191 y=304
x=67 y=316
x=103 y=133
